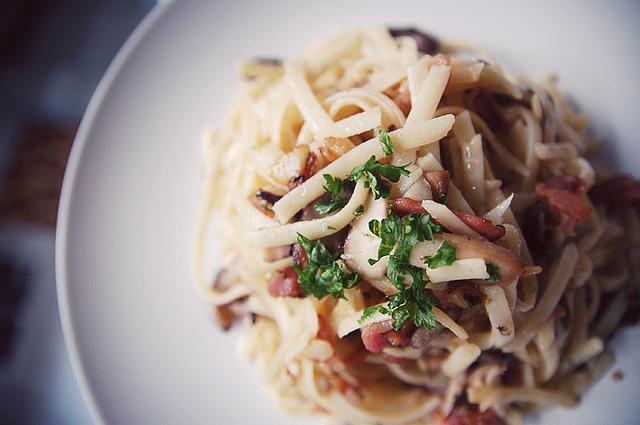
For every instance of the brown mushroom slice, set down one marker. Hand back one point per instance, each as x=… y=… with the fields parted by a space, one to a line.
x=509 y=265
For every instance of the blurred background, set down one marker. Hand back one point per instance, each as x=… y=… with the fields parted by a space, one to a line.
x=52 y=56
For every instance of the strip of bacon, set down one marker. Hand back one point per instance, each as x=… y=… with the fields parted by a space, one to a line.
x=284 y=283
x=472 y=417
x=264 y=201
x=567 y=182
x=564 y=200
x=484 y=227
x=378 y=336
x=310 y=168
x=405 y=206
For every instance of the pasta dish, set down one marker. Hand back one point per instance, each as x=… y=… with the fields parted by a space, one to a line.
x=412 y=235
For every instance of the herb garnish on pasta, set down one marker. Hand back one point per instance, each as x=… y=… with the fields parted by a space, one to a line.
x=415 y=236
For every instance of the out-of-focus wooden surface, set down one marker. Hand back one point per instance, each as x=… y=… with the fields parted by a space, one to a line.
x=30 y=189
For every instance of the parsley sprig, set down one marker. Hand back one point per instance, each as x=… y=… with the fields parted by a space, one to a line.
x=325 y=274
x=445 y=256
x=398 y=237
x=335 y=186
x=385 y=143
x=377 y=177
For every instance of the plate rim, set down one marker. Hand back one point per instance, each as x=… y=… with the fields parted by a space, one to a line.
x=67 y=192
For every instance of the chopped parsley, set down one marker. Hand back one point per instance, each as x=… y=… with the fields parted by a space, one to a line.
x=398 y=238
x=333 y=185
x=445 y=256
x=324 y=275
x=472 y=300
x=386 y=143
x=492 y=269
x=377 y=177
x=410 y=303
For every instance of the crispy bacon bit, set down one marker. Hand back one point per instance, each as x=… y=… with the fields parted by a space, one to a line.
x=564 y=201
x=563 y=193
x=264 y=201
x=226 y=315
x=468 y=416
x=378 y=336
x=617 y=190
x=333 y=148
x=310 y=168
x=481 y=225
x=284 y=283
x=373 y=336
x=486 y=228
x=426 y=43
x=560 y=205
x=405 y=206
x=439 y=182
x=567 y=182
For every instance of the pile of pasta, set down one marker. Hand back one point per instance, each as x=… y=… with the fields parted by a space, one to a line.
x=519 y=259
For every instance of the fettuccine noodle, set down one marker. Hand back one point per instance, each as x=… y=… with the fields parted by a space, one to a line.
x=543 y=264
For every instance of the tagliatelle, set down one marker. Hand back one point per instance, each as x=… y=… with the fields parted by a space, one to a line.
x=413 y=237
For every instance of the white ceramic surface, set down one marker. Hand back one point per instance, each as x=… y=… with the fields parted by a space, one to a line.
x=142 y=343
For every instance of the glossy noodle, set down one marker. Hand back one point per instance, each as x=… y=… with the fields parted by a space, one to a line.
x=414 y=237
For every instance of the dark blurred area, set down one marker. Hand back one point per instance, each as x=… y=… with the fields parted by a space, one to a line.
x=52 y=56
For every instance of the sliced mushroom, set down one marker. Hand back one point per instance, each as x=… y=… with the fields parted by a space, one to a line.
x=361 y=245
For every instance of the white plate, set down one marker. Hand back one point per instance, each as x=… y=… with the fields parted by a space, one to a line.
x=141 y=340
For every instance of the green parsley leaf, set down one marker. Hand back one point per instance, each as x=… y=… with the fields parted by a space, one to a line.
x=492 y=269
x=472 y=300
x=389 y=231
x=398 y=237
x=410 y=303
x=377 y=176
x=370 y=311
x=324 y=275
x=324 y=208
x=386 y=143
x=333 y=185
x=445 y=256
